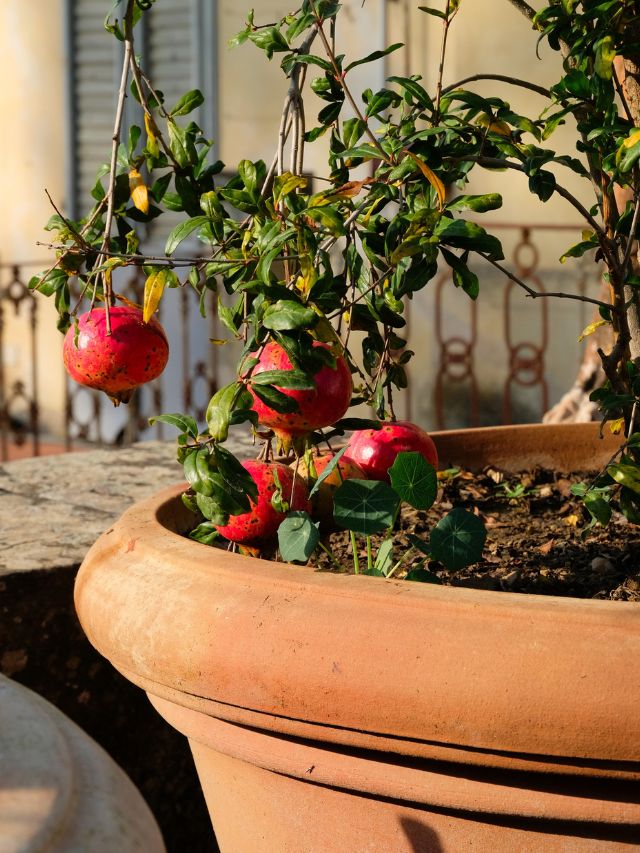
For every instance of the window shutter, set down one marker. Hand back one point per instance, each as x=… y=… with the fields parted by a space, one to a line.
x=176 y=35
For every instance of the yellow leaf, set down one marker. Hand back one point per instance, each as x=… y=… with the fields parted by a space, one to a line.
x=591 y=328
x=631 y=140
x=152 y=142
x=430 y=175
x=495 y=125
x=616 y=426
x=571 y=520
x=153 y=290
x=138 y=190
x=218 y=341
x=120 y=298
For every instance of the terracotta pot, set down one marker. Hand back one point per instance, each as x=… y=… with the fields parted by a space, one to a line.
x=343 y=713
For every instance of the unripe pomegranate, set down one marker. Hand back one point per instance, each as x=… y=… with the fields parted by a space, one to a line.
x=134 y=353
x=261 y=523
x=322 y=500
x=318 y=407
x=375 y=450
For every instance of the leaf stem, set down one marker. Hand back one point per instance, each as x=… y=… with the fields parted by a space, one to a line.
x=354 y=548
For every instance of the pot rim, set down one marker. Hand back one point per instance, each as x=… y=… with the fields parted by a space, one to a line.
x=289 y=648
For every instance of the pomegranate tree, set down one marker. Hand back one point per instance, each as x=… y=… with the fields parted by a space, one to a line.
x=317 y=407
x=375 y=451
x=133 y=353
x=261 y=523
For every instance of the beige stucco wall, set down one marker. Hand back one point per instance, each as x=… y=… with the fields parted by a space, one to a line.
x=32 y=159
x=488 y=36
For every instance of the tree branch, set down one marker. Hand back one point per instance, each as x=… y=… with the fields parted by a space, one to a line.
x=500 y=78
x=527 y=10
x=536 y=294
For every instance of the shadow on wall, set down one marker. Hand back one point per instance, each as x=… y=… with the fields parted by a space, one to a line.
x=421 y=837
x=457 y=410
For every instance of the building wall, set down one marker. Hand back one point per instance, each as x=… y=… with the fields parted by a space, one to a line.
x=487 y=36
x=32 y=159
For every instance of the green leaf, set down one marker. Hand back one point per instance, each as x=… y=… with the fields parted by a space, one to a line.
x=462 y=234
x=275 y=399
x=605 y=54
x=384 y=557
x=462 y=276
x=458 y=539
x=543 y=184
x=197 y=471
x=184 y=423
x=627 y=475
x=286 y=315
x=298 y=537
x=182 y=145
x=413 y=89
x=478 y=203
x=598 y=507
x=187 y=103
x=329 y=217
x=249 y=175
x=50 y=282
x=294 y=379
x=269 y=39
x=365 y=506
x=435 y=12
x=235 y=475
x=377 y=54
x=414 y=479
x=205 y=533
x=214 y=508
x=422 y=575
x=182 y=231
x=580 y=248
x=328 y=470
x=630 y=505
x=219 y=410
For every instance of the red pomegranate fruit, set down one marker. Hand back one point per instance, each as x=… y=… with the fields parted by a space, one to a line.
x=134 y=353
x=322 y=500
x=261 y=523
x=375 y=450
x=318 y=407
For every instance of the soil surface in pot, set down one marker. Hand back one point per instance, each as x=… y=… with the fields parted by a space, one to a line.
x=539 y=538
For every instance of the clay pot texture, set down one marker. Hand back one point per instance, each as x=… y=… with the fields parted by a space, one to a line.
x=330 y=712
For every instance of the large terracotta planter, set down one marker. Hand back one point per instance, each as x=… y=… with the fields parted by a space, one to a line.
x=342 y=713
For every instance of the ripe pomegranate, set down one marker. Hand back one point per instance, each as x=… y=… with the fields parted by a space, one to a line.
x=134 y=353
x=318 y=407
x=322 y=500
x=375 y=450
x=263 y=520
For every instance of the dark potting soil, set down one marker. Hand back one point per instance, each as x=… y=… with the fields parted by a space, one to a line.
x=538 y=538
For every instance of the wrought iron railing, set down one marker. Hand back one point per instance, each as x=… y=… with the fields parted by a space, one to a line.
x=476 y=363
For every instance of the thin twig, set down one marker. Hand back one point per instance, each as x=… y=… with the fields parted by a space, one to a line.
x=115 y=142
x=340 y=79
x=536 y=294
x=629 y=247
x=496 y=163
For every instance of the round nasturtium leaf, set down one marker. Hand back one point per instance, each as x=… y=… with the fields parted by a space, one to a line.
x=365 y=506
x=458 y=539
x=297 y=537
x=414 y=479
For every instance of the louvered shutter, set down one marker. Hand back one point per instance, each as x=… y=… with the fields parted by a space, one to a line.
x=177 y=35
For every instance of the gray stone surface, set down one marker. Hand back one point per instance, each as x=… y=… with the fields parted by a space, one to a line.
x=52 y=508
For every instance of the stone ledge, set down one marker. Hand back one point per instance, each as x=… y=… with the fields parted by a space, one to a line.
x=52 y=508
